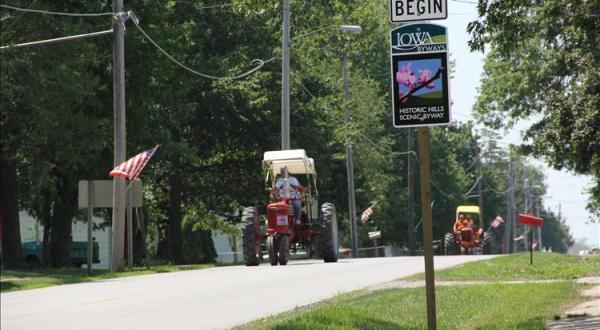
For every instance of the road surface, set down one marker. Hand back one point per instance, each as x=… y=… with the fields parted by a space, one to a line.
x=214 y=298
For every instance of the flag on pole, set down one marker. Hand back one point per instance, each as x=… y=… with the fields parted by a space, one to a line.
x=497 y=222
x=367 y=213
x=132 y=168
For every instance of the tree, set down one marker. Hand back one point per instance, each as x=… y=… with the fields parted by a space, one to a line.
x=543 y=63
x=54 y=110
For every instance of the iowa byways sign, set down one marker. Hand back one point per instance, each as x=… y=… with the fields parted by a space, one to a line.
x=420 y=75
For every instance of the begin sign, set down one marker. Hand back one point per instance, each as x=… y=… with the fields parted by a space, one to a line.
x=417 y=10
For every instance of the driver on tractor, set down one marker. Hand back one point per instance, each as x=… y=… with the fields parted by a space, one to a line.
x=294 y=193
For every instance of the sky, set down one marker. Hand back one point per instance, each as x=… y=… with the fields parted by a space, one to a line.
x=564 y=188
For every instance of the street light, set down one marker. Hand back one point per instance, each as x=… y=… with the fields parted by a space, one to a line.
x=354 y=29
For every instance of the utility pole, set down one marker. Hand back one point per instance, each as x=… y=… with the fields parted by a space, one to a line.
x=411 y=204
x=480 y=187
x=285 y=78
x=118 y=211
x=539 y=228
x=509 y=211
x=527 y=210
x=350 y=164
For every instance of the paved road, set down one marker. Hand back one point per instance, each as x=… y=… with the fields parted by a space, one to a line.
x=213 y=298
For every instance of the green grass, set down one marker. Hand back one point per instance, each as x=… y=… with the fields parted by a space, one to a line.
x=25 y=279
x=490 y=306
x=516 y=267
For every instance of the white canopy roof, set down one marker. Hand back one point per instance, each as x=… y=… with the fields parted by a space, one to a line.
x=296 y=161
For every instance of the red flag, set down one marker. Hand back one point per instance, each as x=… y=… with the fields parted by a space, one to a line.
x=132 y=168
x=367 y=214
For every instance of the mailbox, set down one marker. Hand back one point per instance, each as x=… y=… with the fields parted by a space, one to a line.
x=530 y=220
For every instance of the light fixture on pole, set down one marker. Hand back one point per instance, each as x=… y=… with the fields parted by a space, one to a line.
x=354 y=29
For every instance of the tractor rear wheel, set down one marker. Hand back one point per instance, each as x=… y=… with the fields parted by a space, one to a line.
x=272 y=250
x=486 y=244
x=283 y=249
x=450 y=245
x=328 y=237
x=251 y=236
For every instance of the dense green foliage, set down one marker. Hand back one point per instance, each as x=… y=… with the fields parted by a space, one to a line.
x=493 y=306
x=56 y=119
x=543 y=63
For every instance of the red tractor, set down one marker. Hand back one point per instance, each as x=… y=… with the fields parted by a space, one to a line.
x=284 y=233
x=467 y=236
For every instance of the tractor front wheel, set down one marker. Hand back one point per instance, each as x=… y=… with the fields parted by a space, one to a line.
x=450 y=245
x=328 y=237
x=272 y=248
x=251 y=236
x=284 y=250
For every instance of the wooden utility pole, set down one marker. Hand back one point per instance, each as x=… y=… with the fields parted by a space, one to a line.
x=509 y=211
x=480 y=187
x=285 y=77
x=427 y=230
x=118 y=212
x=410 y=187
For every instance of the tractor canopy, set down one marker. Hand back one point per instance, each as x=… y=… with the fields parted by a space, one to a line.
x=470 y=210
x=296 y=161
x=464 y=209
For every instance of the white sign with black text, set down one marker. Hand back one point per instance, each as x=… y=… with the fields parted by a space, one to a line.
x=417 y=10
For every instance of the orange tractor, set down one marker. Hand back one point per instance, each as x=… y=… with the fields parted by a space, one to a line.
x=467 y=236
x=284 y=235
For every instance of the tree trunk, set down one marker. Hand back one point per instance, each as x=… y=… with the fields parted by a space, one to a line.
x=47 y=221
x=46 y=244
x=139 y=239
x=175 y=235
x=9 y=207
x=62 y=219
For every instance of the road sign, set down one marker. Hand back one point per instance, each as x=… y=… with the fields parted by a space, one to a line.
x=102 y=194
x=417 y=10
x=421 y=95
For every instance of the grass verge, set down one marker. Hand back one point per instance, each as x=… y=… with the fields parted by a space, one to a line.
x=516 y=267
x=25 y=279
x=490 y=306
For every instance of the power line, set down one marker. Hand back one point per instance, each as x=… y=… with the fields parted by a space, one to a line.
x=387 y=150
x=209 y=6
x=17 y=19
x=37 y=11
x=261 y=63
x=465 y=1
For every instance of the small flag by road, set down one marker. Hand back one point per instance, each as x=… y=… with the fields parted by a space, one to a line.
x=132 y=168
x=367 y=213
x=497 y=222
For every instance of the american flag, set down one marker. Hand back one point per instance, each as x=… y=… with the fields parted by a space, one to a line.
x=367 y=214
x=132 y=168
x=497 y=222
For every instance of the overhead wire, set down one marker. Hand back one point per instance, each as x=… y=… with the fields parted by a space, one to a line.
x=17 y=19
x=259 y=66
x=38 y=11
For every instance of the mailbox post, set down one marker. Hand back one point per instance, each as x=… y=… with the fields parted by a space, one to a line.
x=533 y=222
